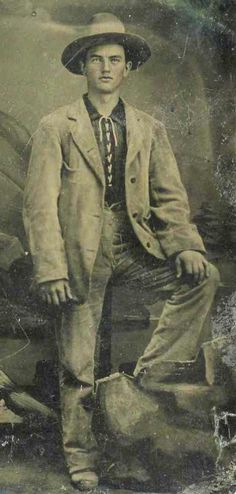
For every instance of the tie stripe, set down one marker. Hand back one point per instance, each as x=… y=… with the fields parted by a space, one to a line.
x=108 y=136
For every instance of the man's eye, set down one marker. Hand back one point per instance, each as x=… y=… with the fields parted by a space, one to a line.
x=95 y=59
x=115 y=60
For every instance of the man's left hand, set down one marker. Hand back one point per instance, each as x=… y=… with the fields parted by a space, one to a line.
x=192 y=263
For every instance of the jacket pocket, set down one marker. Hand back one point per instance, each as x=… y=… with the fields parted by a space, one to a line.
x=68 y=168
x=69 y=175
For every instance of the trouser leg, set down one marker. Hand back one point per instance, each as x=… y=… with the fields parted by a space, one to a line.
x=181 y=329
x=76 y=351
x=77 y=347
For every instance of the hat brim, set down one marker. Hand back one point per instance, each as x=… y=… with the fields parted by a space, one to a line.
x=136 y=48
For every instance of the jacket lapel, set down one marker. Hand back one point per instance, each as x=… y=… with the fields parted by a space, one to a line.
x=135 y=133
x=84 y=138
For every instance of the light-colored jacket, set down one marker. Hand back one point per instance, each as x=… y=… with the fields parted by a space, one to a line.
x=64 y=195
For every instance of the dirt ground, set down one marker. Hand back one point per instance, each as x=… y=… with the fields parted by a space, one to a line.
x=33 y=464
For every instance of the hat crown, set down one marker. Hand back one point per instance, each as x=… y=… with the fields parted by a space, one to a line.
x=104 y=23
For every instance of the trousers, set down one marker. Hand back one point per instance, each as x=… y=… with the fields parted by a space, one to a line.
x=177 y=338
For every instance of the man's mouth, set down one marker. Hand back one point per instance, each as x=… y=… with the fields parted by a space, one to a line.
x=105 y=78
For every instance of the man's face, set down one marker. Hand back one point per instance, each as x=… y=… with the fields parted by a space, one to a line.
x=105 y=68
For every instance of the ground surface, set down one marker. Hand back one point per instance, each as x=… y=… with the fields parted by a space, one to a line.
x=33 y=464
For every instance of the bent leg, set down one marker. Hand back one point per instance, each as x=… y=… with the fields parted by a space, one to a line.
x=181 y=329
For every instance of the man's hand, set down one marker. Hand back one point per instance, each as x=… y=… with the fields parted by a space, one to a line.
x=55 y=292
x=192 y=263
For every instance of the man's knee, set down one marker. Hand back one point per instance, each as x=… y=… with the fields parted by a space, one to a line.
x=214 y=275
x=213 y=279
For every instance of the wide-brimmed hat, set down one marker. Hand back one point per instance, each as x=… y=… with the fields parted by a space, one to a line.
x=105 y=28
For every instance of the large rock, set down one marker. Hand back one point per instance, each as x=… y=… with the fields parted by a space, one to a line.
x=191 y=404
x=216 y=371
x=129 y=413
x=132 y=414
x=173 y=427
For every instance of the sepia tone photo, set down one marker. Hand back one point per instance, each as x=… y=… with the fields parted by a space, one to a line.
x=117 y=246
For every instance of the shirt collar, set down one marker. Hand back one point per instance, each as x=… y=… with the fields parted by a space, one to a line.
x=117 y=114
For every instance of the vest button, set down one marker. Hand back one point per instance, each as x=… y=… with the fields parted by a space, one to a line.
x=135 y=215
x=148 y=245
x=133 y=180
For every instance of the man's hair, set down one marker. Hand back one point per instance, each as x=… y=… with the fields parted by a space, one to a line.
x=128 y=57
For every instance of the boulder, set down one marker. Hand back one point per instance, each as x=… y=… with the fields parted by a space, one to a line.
x=129 y=413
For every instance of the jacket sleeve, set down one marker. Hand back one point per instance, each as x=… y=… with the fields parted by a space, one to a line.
x=40 y=211
x=169 y=202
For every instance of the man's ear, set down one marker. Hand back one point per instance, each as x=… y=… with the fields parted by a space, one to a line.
x=129 y=66
x=82 y=68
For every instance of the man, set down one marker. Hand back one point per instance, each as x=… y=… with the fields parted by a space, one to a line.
x=104 y=202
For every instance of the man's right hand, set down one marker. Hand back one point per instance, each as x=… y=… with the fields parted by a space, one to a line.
x=55 y=292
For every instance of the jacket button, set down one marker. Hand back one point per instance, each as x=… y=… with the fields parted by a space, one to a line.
x=133 y=180
x=148 y=245
x=135 y=215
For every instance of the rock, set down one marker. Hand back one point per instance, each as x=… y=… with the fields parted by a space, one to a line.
x=215 y=369
x=191 y=404
x=127 y=472
x=23 y=403
x=174 y=426
x=181 y=455
x=20 y=401
x=178 y=441
x=129 y=413
x=8 y=416
x=6 y=384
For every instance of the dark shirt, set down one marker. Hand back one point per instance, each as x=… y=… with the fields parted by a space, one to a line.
x=110 y=134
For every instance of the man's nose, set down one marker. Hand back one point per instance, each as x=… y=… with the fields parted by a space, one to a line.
x=106 y=65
